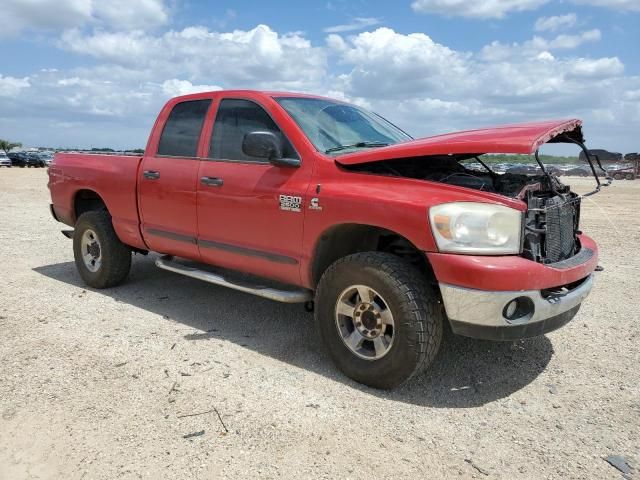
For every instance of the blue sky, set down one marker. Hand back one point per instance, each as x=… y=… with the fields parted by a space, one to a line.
x=94 y=73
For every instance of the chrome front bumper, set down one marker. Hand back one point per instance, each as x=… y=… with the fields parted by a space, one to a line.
x=481 y=314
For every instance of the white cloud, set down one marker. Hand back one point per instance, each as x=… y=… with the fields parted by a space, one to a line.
x=391 y=63
x=175 y=87
x=622 y=5
x=128 y=14
x=11 y=86
x=486 y=9
x=446 y=89
x=43 y=14
x=497 y=51
x=598 y=68
x=252 y=58
x=556 y=22
x=55 y=15
x=358 y=23
x=116 y=100
x=574 y=41
x=420 y=84
x=547 y=56
x=475 y=8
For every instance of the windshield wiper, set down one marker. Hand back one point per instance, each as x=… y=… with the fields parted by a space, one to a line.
x=356 y=145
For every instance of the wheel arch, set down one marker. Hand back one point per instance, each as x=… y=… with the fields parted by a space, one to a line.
x=344 y=239
x=86 y=200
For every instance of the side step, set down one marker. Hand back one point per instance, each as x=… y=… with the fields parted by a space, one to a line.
x=286 y=296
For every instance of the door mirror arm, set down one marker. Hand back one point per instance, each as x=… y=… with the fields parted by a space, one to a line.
x=285 y=162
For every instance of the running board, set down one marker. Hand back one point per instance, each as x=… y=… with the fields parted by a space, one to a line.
x=285 y=296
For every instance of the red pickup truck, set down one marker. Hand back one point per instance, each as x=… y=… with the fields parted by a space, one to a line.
x=300 y=198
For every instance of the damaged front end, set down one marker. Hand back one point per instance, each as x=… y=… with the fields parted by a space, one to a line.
x=551 y=223
x=552 y=219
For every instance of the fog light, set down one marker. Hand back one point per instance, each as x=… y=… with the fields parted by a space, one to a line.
x=518 y=309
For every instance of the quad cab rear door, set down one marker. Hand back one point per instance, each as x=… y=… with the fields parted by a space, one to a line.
x=168 y=179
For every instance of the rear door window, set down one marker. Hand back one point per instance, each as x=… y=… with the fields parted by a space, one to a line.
x=182 y=131
x=234 y=119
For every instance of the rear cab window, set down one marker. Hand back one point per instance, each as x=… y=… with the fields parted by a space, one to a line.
x=181 y=132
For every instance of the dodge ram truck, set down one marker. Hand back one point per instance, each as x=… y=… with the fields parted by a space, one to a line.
x=300 y=198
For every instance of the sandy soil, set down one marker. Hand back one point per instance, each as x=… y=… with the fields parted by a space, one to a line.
x=107 y=384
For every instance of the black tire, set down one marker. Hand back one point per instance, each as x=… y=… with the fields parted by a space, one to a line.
x=417 y=315
x=115 y=256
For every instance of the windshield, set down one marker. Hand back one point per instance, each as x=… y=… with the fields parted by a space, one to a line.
x=337 y=128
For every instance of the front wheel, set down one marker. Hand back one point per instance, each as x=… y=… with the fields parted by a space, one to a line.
x=378 y=318
x=101 y=258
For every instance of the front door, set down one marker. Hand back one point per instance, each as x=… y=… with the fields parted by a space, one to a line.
x=168 y=182
x=250 y=213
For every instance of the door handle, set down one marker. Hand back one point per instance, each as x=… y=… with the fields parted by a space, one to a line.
x=151 y=174
x=211 y=181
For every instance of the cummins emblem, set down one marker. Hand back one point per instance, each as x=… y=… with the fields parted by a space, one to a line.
x=315 y=204
x=290 y=203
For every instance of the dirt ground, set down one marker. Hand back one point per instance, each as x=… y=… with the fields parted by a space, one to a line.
x=111 y=384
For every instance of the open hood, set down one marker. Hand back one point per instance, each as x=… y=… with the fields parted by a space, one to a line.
x=524 y=138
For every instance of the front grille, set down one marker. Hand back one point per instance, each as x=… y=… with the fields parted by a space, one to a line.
x=551 y=227
x=560 y=240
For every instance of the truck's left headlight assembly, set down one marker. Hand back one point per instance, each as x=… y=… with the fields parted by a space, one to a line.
x=476 y=228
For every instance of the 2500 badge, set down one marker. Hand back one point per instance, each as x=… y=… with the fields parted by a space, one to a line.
x=290 y=203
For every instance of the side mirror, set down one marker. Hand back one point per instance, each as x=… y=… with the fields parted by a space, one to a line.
x=267 y=145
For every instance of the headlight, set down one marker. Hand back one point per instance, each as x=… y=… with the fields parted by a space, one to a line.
x=480 y=228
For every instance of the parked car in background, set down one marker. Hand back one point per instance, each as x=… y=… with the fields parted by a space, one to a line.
x=524 y=170
x=34 y=160
x=583 y=171
x=4 y=160
x=18 y=159
x=622 y=172
x=47 y=158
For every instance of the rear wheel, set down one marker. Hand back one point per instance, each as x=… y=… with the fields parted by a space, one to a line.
x=101 y=258
x=377 y=317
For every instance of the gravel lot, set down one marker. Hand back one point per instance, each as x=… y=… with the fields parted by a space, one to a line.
x=107 y=384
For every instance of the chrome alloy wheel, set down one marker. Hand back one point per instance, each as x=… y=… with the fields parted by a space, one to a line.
x=91 y=252
x=365 y=322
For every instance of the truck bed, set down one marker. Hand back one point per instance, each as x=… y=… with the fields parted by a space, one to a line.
x=112 y=177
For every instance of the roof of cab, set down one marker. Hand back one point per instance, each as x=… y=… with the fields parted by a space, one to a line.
x=258 y=93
